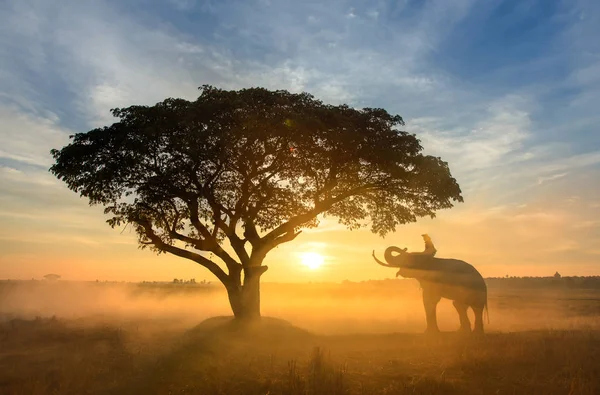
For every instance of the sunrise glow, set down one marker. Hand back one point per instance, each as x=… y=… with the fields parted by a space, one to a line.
x=312 y=260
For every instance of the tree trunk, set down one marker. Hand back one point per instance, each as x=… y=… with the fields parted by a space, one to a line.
x=245 y=299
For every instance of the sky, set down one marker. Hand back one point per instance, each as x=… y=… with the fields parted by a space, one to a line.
x=505 y=91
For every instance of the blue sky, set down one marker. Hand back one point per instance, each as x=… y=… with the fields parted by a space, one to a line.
x=505 y=91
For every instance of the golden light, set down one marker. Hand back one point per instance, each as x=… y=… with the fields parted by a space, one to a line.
x=312 y=260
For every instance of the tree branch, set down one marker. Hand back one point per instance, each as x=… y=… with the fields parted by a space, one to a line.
x=318 y=209
x=289 y=236
x=196 y=243
x=234 y=239
x=248 y=190
x=161 y=245
x=217 y=208
x=195 y=218
x=250 y=232
x=212 y=245
x=259 y=253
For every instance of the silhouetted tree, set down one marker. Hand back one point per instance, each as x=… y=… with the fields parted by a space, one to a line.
x=251 y=167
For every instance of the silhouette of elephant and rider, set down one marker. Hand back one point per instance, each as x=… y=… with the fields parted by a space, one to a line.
x=439 y=278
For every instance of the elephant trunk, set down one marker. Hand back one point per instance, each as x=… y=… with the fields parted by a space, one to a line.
x=390 y=259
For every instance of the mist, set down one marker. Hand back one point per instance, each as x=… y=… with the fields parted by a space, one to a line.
x=378 y=307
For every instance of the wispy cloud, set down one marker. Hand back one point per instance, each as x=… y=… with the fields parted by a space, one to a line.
x=556 y=176
x=515 y=118
x=27 y=138
x=496 y=136
x=183 y=5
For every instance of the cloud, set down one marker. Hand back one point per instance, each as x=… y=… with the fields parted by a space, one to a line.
x=183 y=5
x=27 y=138
x=495 y=138
x=373 y=14
x=65 y=64
x=30 y=195
x=552 y=177
x=30 y=178
x=572 y=162
x=587 y=224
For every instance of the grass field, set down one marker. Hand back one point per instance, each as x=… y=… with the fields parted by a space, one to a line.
x=327 y=339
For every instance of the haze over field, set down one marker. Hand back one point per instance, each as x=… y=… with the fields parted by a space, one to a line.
x=362 y=338
x=505 y=91
x=377 y=307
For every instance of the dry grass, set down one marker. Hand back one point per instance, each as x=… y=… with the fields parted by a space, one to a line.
x=131 y=354
x=54 y=357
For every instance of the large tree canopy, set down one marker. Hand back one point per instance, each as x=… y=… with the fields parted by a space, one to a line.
x=251 y=167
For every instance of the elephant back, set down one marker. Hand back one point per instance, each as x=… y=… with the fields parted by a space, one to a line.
x=457 y=272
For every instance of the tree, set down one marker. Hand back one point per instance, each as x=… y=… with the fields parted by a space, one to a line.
x=227 y=178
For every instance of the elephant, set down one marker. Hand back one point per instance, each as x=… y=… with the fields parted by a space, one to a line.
x=442 y=278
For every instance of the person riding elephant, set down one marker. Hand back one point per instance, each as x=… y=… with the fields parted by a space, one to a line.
x=429 y=250
x=429 y=247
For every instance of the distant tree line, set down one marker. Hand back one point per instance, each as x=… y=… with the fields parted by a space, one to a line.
x=554 y=281
x=191 y=281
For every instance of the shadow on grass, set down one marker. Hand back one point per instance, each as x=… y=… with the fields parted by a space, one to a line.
x=223 y=356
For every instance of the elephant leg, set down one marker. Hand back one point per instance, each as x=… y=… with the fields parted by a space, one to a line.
x=478 y=310
x=430 y=301
x=461 y=308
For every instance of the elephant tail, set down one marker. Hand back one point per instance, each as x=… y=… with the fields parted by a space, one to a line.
x=487 y=313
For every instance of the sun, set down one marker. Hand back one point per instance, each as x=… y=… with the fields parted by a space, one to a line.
x=312 y=260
